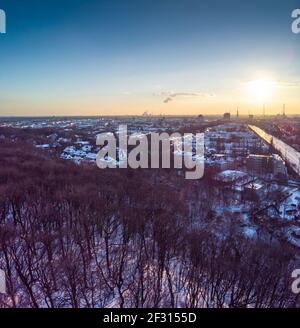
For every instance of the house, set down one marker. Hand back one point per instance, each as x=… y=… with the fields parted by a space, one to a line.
x=234 y=179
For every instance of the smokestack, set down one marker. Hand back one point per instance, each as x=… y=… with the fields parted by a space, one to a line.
x=283 y=110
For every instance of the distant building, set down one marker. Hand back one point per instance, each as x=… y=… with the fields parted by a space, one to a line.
x=226 y=116
x=283 y=110
x=220 y=163
x=201 y=118
x=233 y=179
x=264 y=164
x=259 y=164
x=279 y=167
x=230 y=176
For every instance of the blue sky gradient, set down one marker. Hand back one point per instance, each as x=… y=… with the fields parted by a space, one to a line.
x=87 y=57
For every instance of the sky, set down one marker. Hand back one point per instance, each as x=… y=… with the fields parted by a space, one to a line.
x=126 y=57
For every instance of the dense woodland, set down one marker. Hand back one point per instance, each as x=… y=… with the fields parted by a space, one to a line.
x=78 y=236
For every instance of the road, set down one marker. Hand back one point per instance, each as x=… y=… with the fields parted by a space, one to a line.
x=288 y=153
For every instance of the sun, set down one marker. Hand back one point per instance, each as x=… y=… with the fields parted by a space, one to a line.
x=260 y=90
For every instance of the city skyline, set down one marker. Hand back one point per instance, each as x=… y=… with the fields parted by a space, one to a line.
x=126 y=58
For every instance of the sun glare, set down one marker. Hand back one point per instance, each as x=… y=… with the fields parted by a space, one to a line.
x=260 y=90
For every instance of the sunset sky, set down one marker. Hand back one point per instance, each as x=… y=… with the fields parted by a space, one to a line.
x=111 y=57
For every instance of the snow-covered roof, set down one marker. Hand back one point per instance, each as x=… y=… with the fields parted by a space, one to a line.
x=45 y=146
x=231 y=175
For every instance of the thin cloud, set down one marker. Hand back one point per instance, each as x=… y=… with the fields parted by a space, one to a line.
x=170 y=96
x=282 y=84
x=274 y=84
